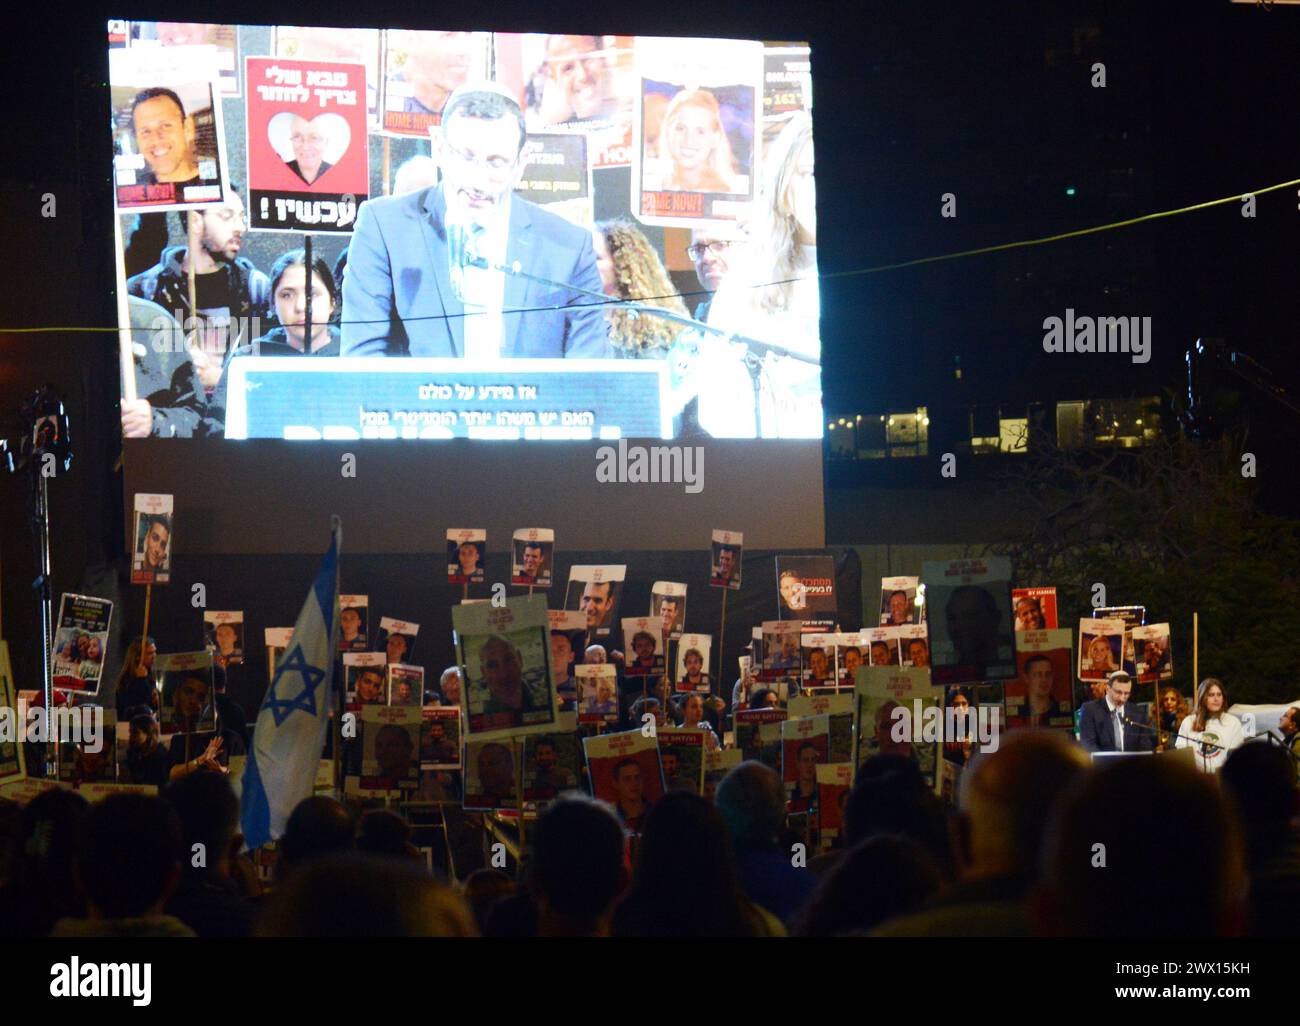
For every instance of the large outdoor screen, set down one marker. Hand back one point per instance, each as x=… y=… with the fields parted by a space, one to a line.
x=472 y=234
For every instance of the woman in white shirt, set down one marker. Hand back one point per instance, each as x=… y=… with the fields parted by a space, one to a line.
x=771 y=295
x=1211 y=731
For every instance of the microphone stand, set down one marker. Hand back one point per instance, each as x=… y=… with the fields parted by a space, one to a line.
x=1277 y=742
x=1202 y=744
x=757 y=349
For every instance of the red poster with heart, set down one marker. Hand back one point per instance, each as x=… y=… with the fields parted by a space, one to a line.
x=308 y=153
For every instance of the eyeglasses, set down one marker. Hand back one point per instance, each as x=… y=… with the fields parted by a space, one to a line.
x=716 y=246
x=494 y=164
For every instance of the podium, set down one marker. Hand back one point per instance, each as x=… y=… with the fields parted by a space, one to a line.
x=352 y=397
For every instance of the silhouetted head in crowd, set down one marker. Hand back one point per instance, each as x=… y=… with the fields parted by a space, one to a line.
x=357 y=895
x=751 y=799
x=1260 y=781
x=130 y=859
x=43 y=884
x=685 y=883
x=383 y=832
x=577 y=868
x=890 y=796
x=317 y=826
x=209 y=815
x=764 y=698
x=483 y=888
x=1170 y=849
x=10 y=815
x=1006 y=798
x=877 y=880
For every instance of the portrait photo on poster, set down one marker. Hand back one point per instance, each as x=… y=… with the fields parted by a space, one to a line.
x=532 y=559
x=595 y=591
x=466 y=555
x=725 y=566
x=169 y=146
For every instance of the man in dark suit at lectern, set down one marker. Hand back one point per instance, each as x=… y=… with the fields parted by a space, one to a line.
x=1101 y=722
x=417 y=283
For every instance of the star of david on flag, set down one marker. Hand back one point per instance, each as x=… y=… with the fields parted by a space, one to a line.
x=289 y=733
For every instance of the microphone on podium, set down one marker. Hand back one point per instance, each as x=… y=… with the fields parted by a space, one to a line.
x=457 y=238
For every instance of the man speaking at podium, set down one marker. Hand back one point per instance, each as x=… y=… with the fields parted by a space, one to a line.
x=1104 y=724
x=412 y=285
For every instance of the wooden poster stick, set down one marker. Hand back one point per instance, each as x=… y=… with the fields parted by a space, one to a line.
x=125 y=354
x=144 y=634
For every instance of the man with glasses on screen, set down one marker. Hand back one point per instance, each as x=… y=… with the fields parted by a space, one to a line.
x=710 y=251
x=421 y=278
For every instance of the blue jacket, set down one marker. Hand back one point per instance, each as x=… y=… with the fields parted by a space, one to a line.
x=398 y=299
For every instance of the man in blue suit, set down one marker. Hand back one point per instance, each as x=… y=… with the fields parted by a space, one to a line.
x=408 y=291
x=1101 y=722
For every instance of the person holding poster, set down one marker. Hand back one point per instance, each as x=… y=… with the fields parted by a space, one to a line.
x=692 y=707
x=410 y=280
x=232 y=295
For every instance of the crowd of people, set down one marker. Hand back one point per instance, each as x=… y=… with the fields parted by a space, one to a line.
x=1016 y=857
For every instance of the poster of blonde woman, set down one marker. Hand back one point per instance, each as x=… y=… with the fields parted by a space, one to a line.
x=1101 y=644
x=696 y=123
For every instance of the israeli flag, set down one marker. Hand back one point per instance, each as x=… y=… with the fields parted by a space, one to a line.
x=290 y=730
